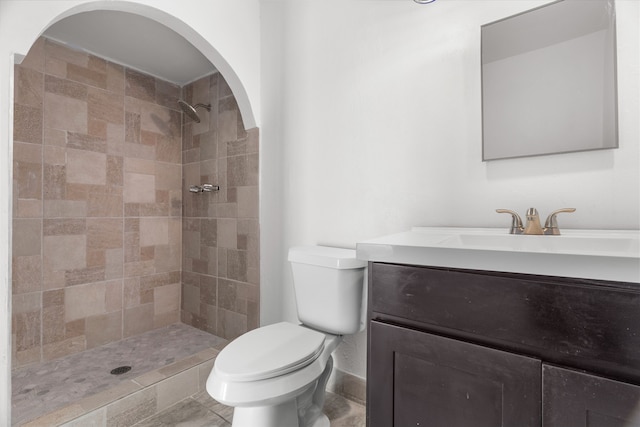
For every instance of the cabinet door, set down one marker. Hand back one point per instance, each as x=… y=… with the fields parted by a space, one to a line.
x=420 y=379
x=575 y=399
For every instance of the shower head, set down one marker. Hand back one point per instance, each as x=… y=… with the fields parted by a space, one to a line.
x=190 y=110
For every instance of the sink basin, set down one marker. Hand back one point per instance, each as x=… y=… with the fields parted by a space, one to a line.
x=572 y=242
x=591 y=254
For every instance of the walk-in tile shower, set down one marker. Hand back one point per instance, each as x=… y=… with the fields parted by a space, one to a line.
x=108 y=242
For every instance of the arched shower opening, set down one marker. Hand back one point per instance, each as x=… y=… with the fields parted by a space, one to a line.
x=108 y=241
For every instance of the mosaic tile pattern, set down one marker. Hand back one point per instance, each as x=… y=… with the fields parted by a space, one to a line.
x=220 y=251
x=97 y=203
x=40 y=389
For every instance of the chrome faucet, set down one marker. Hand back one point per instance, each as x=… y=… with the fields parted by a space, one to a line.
x=532 y=226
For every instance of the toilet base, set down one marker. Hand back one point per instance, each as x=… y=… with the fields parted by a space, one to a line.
x=303 y=411
x=322 y=421
x=283 y=415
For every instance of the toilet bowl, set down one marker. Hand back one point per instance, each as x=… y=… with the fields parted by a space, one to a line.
x=291 y=360
x=275 y=376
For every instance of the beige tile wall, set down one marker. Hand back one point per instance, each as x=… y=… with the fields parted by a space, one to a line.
x=97 y=226
x=220 y=252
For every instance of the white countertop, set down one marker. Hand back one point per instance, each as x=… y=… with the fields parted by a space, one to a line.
x=590 y=254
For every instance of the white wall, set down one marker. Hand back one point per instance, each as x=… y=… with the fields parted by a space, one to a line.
x=380 y=130
x=227 y=32
x=272 y=252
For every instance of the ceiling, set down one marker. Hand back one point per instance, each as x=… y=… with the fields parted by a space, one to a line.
x=134 y=41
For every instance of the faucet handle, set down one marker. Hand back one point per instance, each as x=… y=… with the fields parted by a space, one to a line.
x=551 y=224
x=516 y=221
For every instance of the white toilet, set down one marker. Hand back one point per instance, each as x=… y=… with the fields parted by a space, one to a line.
x=275 y=376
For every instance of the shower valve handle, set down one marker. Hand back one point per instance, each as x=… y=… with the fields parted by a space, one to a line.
x=204 y=188
x=208 y=188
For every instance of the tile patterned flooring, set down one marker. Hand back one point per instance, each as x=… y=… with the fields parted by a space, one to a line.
x=59 y=382
x=202 y=411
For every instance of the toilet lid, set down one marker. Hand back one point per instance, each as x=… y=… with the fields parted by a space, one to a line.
x=268 y=352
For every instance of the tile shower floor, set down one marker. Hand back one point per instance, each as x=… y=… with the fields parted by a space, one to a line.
x=46 y=387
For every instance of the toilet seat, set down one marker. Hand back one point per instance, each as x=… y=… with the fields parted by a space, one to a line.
x=284 y=348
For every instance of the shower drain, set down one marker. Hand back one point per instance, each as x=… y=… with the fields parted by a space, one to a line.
x=120 y=370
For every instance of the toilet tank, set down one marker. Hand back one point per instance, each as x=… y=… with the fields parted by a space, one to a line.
x=328 y=284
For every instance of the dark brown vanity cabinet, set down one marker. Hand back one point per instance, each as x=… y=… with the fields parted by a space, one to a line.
x=574 y=399
x=461 y=348
x=428 y=380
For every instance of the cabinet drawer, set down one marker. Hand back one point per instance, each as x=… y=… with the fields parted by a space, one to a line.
x=586 y=325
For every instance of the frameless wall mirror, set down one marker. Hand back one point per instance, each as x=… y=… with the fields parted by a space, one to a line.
x=549 y=80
